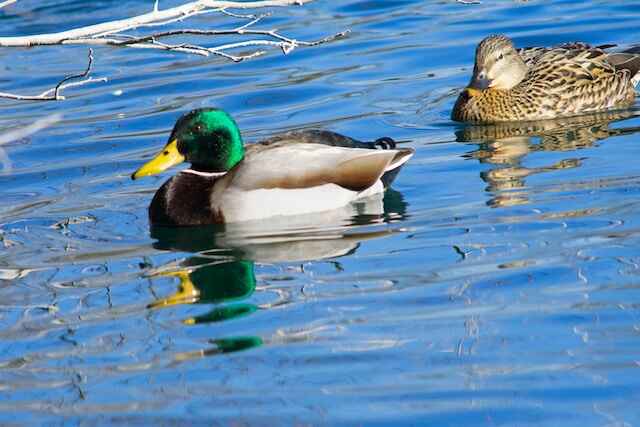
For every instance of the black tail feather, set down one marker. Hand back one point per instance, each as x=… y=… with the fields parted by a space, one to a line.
x=385 y=143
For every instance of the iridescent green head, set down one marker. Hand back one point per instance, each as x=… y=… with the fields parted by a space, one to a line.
x=207 y=138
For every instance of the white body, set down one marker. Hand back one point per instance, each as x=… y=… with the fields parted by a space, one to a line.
x=297 y=179
x=259 y=204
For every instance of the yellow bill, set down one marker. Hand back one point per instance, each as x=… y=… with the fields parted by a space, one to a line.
x=187 y=293
x=169 y=156
x=473 y=91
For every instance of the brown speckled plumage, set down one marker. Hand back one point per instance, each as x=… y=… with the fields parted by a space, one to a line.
x=566 y=80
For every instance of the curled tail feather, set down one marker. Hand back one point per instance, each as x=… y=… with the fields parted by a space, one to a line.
x=385 y=143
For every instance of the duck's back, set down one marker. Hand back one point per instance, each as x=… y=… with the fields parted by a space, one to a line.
x=334 y=139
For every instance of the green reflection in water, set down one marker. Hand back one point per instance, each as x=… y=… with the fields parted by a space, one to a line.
x=222 y=273
x=220 y=282
x=228 y=345
x=204 y=282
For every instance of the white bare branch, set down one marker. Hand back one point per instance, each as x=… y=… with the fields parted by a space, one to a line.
x=113 y=33
x=154 y=17
x=54 y=94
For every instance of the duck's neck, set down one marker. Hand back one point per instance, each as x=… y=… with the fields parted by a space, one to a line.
x=204 y=174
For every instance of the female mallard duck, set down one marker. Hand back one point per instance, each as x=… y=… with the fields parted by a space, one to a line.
x=545 y=83
x=294 y=173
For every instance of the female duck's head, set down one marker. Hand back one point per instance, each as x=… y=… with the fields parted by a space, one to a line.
x=207 y=138
x=498 y=64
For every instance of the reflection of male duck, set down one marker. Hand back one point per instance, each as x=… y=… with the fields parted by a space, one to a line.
x=205 y=282
x=223 y=272
x=507 y=144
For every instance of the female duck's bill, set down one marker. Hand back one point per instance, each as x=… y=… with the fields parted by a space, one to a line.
x=510 y=84
x=290 y=174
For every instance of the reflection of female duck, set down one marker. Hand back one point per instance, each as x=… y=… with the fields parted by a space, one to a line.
x=506 y=145
x=563 y=134
x=290 y=174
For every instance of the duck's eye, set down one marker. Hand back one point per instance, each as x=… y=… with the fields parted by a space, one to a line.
x=197 y=128
x=501 y=56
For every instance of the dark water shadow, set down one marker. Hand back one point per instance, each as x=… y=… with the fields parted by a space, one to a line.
x=506 y=145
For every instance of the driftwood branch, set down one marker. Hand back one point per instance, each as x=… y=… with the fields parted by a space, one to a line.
x=54 y=94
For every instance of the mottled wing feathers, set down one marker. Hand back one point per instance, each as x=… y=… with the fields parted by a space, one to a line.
x=583 y=60
x=530 y=55
x=573 y=79
x=569 y=65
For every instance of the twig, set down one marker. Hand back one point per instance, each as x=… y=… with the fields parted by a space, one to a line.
x=239 y=15
x=151 y=41
x=24 y=132
x=53 y=94
x=271 y=33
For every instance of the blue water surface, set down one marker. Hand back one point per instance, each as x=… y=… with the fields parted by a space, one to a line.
x=497 y=283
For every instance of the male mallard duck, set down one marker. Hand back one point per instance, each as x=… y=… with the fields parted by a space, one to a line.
x=294 y=173
x=510 y=84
